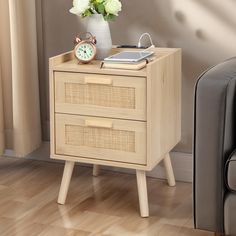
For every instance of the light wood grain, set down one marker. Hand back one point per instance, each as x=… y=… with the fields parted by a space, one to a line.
x=89 y=79
x=169 y=170
x=163 y=103
x=67 y=62
x=124 y=141
x=52 y=62
x=145 y=107
x=142 y=193
x=65 y=183
x=163 y=106
x=99 y=123
x=107 y=205
x=99 y=162
x=124 y=98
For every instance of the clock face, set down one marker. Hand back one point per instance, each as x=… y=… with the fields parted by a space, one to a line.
x=85 y=52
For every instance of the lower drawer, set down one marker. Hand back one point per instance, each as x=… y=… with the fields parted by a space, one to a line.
x=101 y=138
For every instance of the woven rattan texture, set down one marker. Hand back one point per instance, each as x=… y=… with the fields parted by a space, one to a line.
x=100 y=95
x=104 y=138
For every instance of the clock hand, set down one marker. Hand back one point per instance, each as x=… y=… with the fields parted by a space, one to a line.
x=85 y=53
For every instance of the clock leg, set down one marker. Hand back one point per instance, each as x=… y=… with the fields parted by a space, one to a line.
x=96 y=170
x=142 y=193
x=169 y=170
x=68 y=169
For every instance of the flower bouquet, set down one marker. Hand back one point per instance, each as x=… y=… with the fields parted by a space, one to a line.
x=109 y=9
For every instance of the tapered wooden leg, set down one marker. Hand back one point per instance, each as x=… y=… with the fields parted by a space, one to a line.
x=142 y=193
x=96 y=170
x=169 y=170
x=68 y=169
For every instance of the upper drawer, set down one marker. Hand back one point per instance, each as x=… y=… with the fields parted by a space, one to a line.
x=100 y=95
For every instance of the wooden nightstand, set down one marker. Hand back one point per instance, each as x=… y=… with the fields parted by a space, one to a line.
x=121 y=118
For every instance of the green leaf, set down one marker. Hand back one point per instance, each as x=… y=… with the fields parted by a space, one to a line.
x=101 y=9
x=109 y=17
x=87 y=13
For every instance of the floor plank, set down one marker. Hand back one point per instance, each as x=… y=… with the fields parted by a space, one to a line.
x=106 y=205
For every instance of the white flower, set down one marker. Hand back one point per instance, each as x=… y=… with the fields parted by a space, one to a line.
x=80 y=6
x=113 y=6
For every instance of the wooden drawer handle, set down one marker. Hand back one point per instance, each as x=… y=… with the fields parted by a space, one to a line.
x=97 y=80
x=99 y=124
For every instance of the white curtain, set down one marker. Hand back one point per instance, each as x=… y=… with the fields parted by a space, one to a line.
x=20 y=126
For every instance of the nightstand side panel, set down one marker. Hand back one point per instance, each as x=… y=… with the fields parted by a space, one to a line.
x=163 y=106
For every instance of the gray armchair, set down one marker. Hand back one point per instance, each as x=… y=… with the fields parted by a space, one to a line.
x=214 y=149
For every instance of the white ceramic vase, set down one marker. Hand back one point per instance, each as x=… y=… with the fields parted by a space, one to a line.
x=99 y=28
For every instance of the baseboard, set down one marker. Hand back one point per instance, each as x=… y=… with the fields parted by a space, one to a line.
x=182 y=164
x=9 y=153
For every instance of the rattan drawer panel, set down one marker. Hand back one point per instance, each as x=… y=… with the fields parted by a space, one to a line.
x=100 y=138
x=97 y=137
x=100 y=95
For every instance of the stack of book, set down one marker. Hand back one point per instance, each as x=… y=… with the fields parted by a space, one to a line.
x=124 y=65
x=134 y=60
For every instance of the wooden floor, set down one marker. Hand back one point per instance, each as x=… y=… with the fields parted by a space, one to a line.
x=106 y=205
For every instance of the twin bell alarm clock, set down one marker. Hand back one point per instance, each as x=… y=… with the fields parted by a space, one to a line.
x=85 y=49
